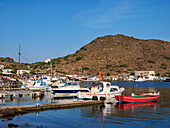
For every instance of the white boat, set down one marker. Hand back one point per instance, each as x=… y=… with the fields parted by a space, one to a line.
x=104 y=91
x=92 y=79
x=69 y=89
x=58 y=84
x=140 y=79
x=40 y=85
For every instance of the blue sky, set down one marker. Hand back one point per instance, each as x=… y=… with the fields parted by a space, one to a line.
x=55 y=28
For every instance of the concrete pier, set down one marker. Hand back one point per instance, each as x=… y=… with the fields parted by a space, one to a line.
x=6 y=111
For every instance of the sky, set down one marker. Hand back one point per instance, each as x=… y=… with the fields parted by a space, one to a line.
x=55 y=28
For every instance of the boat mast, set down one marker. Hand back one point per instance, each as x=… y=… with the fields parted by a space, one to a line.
x=51 y=70
x=19 y=61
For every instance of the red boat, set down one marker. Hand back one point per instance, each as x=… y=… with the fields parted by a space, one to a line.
x=144 y=97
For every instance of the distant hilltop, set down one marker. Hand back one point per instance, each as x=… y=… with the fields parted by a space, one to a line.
x=6 y=60
x=113 y=55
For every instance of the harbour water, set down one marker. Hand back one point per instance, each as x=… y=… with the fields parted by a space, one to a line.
x=151 y=114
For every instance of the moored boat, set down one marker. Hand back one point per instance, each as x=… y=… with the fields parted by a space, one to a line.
x=69 y=89
x=144 y=97
x=39 y=85
x=105 y=90
x=140 y=79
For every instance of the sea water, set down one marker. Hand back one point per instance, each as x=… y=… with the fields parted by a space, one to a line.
x=150 y=114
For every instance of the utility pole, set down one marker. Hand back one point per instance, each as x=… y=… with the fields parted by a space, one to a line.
x=19 y=61
x=51 y=71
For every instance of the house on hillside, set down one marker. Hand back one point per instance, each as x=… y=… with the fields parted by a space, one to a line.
x=7 y=71
x=2 y=66
x=47 y=60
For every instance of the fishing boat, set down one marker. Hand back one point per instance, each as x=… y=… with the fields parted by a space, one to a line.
x=102 y=91
x=144 y=97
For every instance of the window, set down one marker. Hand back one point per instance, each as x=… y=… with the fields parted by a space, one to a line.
x=113 y=89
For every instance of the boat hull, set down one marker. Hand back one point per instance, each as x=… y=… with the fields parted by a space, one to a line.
x=89 y=96
x=69 y=91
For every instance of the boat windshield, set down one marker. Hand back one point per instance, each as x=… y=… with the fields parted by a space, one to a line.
x=113 y=89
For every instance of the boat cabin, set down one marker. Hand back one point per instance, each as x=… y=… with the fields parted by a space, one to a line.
x=104 y=87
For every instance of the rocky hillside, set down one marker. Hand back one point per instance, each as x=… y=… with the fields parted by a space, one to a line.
x=11 y=64
x=6 y=61
x=115 y=55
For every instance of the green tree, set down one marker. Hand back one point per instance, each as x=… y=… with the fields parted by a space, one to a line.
x=124 y=66
x=158 y=74
x=78 y=58
x=108 y=74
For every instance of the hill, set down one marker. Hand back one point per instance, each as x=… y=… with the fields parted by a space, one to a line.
x=115 y=55
x=6 y=61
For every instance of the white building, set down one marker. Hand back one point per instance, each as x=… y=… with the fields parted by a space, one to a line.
x=2 y=66
x=23 y=71
x=150 y=75
x=144 y=73
x=7 y=71
x=48 y=60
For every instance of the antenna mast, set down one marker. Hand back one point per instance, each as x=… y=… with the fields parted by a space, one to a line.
x=19 y=61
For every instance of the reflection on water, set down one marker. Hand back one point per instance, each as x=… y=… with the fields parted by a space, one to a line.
x=141 y=114
x=133 y=106
x=29 y=100
x=24 y=100
x=149 y=114
x=116 y=109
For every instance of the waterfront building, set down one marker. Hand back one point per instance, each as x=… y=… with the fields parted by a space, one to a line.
x=2 y=66
x=7 y=71
x=147 y=74
x=23 y=71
